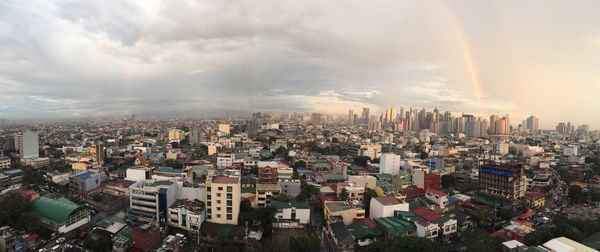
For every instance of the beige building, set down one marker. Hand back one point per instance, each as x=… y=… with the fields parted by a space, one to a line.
x=174 y=134
x=367 y=181
x=4 y=162
x=342 y=210
x=223 y=200
x=225 y=128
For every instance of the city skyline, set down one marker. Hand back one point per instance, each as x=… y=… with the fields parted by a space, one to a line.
x=71 y=59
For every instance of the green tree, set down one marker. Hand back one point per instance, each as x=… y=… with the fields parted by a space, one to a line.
x=299 y=163
x=403 y=243
x=305 y=243
x=361 y=160
x=343 y=195
x=576 y=194
x=308 y=192
x=448 y=181
x=485 y=244
x=12 y=206
x=369 y=194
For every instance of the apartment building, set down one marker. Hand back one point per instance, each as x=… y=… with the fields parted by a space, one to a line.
x=223 y=199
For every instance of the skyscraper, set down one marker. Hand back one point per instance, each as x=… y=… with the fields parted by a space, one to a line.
x=27 y=143
x=532 y=124
x=350 y=117
x=365 y=116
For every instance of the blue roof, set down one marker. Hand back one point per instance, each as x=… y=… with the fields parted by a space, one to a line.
x=84 y=175
x=168 y=170
x=495 y=172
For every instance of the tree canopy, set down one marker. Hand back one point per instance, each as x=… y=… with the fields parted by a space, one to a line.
x=403 y=243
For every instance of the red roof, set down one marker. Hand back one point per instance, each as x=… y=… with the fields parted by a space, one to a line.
x=225 y=180
x=388 y=200
x=324 y=198
x=427 y=214
x=413 y=191
x=424 y=223
x=367 y=221
x=525 y=215
x=436 y=192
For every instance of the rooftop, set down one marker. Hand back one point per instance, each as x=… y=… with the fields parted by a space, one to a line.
x=225 y=180
x=388 y=200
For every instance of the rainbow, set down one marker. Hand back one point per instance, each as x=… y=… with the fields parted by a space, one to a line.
x=470 y=59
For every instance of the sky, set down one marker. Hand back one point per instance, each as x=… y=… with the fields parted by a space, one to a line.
x=61 y=58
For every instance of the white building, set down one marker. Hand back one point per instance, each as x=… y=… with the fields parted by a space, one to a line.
x=225 y=159
x=570 y=150
x=138 y=174
x=385 y=206
x=389 y=163
x=355 y=192
x=438 y=197
x=428 y=230
x=291 y=215
x=149 y=200
x=187 y=215
x=27 y=142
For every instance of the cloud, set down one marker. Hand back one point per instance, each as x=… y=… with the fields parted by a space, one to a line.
x=63 y=58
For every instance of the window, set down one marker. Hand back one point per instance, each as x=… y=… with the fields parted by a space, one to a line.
x=208 y=203
x=229 y=203
x=229 y=189
x=218 y=195
x=229 y=210
x=229 y=196
x=218 y=216
x=208 y=189
x=218 y=208
x=229 y=216
x=218 y=201
x=220 y=188
x=208 y=197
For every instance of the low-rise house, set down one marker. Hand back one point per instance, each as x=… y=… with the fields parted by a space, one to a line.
x=385 y=206
x=365 y=231
x=343 y=211
x=291 y=215
x=428 y=230
x=340 y=237
x=437 y=197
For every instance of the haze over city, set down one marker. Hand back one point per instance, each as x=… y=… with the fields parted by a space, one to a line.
x=63 y=59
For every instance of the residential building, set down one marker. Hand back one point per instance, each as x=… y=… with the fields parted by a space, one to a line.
x=389 y=163
x=223 y=196
x=187 y=215
x=86 y=183
x=4 y=162
x=366 y=181
x=225 y=160
x=336 y=211
x=145 y=236
x=291 y=215
x=437 y=197
x=505 y=181
x=426 y=229
x=371 y=150
x=27 y=143
x=380 y=207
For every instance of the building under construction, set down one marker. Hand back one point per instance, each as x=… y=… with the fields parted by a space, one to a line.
x=502 y=180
